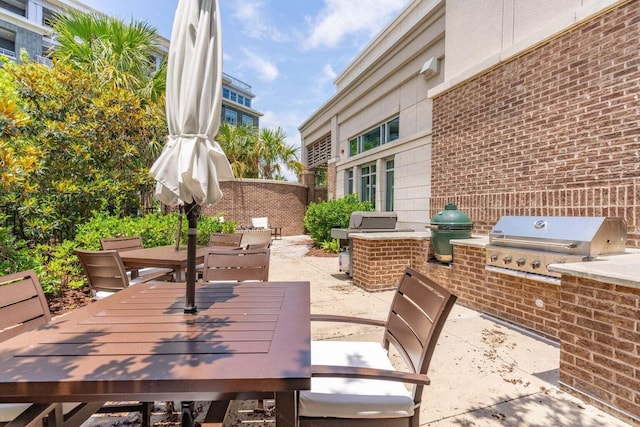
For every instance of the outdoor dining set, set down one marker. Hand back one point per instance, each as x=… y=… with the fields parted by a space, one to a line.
x=250 y=338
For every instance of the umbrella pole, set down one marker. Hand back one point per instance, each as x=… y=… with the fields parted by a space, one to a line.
x=179 y=232
x=193 y=213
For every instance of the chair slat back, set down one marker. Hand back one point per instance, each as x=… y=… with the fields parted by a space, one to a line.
x=418 y=313
x=235 y=265
x=23 y=305
x=225 y=240
x=122 y=243
x=104 y=269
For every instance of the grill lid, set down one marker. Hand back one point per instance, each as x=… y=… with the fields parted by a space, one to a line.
x=588 y=236
x=373 y=220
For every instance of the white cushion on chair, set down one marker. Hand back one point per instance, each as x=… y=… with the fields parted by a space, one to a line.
x=354 y=398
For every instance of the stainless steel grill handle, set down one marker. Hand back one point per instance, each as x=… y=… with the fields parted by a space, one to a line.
x=545 y=244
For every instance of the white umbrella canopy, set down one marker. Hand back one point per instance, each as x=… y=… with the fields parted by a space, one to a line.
x=192 y=163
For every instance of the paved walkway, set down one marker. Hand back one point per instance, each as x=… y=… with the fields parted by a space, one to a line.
x=483 y=372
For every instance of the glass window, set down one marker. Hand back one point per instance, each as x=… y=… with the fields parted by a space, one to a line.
x=225 y=93
x=231 y=116
x=368 y=184
x=233 y=96
x=388 y=203
x=247 y=102
x=371 y=139
x=240 y=99
x=247 y=120
x=393 y=130
x=350 y=189
x=353 y=147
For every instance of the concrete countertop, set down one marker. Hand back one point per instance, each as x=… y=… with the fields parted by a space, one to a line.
x=476 y=240
x=393 y=235
x=623 y=269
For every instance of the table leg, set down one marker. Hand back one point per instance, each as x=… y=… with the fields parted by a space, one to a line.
x=188 y=409
x=178 y=273
x=286 y=409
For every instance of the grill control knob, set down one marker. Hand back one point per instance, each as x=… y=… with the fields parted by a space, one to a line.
x=494 y=257
x=507 y=259
x=535 y=264
x=520 y=262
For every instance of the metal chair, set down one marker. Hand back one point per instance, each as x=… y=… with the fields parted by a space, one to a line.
x=106 y=273
x=355 y=384
x=24 y=307
x=236 y=265
x=130 y=243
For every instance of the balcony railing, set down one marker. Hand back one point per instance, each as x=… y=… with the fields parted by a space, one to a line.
x=237 y=83
x=10 y=53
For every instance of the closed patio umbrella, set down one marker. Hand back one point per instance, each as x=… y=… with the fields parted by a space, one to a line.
x=188 y=170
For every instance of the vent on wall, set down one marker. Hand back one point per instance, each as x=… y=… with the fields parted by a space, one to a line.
x=430 y=68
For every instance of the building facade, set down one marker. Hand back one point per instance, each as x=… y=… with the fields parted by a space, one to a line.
x=405 y=128
x=26 y=25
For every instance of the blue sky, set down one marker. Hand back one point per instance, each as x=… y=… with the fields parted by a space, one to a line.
x=289 y=51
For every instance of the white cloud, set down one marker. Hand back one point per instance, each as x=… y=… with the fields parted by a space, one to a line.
x=342 y=18
x=254 y=17
x=329 y=72
x=266 y=70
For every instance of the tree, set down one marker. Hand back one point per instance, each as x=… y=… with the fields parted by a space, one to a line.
x=70 y=148
x=118 y=53
x=237 y=143
x=257 y=153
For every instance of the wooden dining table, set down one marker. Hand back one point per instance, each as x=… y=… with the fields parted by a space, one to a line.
x=162 y=256
x=140 y=345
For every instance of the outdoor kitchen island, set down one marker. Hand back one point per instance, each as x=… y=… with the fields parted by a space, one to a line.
x=592 y=310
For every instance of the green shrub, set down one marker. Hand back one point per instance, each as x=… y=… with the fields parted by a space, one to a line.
x=321 y=217
x=331 y=246
x=14 y=254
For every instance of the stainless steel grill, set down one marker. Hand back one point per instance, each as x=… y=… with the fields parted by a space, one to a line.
x=364 y=222
x=528 y=244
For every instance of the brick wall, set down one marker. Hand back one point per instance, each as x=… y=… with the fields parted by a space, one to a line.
x=600 y=352
x=504 y=296
x=378 y=265
x=555 y=131
x=283 y=203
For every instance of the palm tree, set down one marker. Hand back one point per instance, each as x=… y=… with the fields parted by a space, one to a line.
x=237 y=143
x=119 y=53
x=274 y=153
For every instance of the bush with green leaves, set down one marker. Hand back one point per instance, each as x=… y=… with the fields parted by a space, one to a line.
x=14 y=254
x=321 y=217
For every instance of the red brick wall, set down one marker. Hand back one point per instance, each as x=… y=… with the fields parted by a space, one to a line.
x=555 y=131
x=283 y=203
x=600 y=352
x=378 y=265
x=504 y=296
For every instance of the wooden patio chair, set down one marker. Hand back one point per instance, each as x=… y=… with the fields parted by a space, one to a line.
x=355 y=384
x=225 y=240
x=24 y=307
x=106 y=273
x=236 y=265
x=261 y=245
x=129 y=243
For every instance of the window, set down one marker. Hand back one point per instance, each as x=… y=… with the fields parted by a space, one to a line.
x=381 y=134
x=225 y=93
x=247 y=120
x=233 y=96
x=247 y=102
x=350 y=189
x=389 y=176
x=368 y=184
x=240 y=99
x=231 y=116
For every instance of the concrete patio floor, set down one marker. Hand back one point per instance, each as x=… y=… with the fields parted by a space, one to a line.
x=483 y=373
